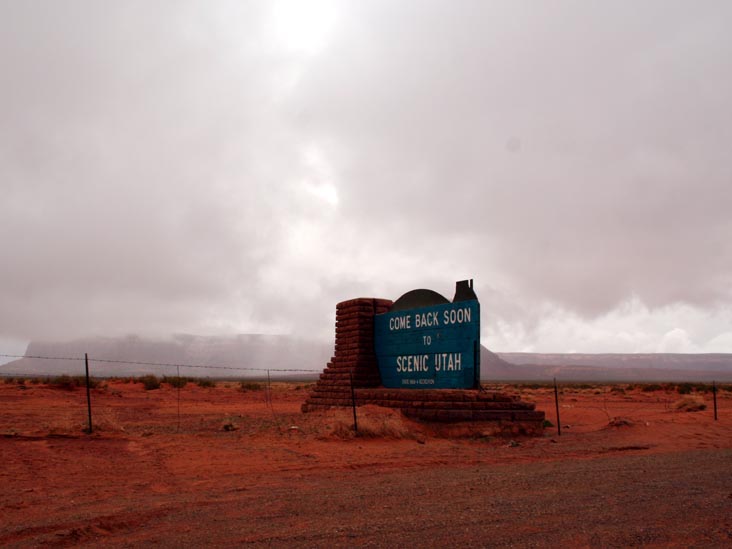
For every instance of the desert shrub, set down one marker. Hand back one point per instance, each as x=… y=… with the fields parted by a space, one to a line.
x=688 y=388
x=9 y=380
x=69 y=382
x=175 y=381
x=651 y=387
x=617 y=389
x=530 y=385
x=630 y=387
x=206 y=382
x=63 y=382
x=690 y=404
x=150 y=382
x=250 y=386
x=35 y=380
x=546 y=423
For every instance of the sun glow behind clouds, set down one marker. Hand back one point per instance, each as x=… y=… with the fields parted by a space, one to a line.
x=304 y=26
x=320 y=179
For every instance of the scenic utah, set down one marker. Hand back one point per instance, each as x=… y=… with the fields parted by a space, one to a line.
x=366 y=273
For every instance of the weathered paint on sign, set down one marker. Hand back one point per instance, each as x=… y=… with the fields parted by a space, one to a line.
x=435 y=347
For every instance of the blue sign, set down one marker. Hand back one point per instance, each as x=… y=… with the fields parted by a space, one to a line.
x=435 y=347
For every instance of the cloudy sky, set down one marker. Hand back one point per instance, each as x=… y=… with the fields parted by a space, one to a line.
x=239 y=167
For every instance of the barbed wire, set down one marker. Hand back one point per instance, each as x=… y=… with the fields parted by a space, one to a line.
x=43 y=357
x=164 y=364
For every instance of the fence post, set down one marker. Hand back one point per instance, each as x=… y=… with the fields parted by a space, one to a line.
x=556 y=403
x=269 y=391
x=177 y=369
x=88 y=395
x=714 y=396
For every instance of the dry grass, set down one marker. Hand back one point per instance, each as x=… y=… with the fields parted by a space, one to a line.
x=373 y=422
x=72 y=423
x=387 y=423
x=690 y=404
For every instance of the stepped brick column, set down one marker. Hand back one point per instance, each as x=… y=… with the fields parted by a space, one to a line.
x=354 y=354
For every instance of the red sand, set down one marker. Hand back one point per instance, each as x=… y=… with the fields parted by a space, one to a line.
x=285 y=478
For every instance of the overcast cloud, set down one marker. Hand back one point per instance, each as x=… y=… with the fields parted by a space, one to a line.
x=234 y=167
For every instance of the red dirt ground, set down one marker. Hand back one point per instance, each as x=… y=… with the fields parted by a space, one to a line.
x=628 y=470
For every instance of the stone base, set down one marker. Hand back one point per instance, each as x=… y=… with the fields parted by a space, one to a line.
x=440 y=405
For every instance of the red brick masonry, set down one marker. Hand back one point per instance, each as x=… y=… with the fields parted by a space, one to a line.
x=354 y=356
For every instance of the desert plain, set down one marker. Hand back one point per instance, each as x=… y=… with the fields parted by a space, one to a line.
x=222 y=466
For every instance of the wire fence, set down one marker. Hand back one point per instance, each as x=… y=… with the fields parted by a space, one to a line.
x=159 y=397
x=158 y=364
x=174 y=400
x=588 y=407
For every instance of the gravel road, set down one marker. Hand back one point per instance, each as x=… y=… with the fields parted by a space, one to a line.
x=678 y=499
